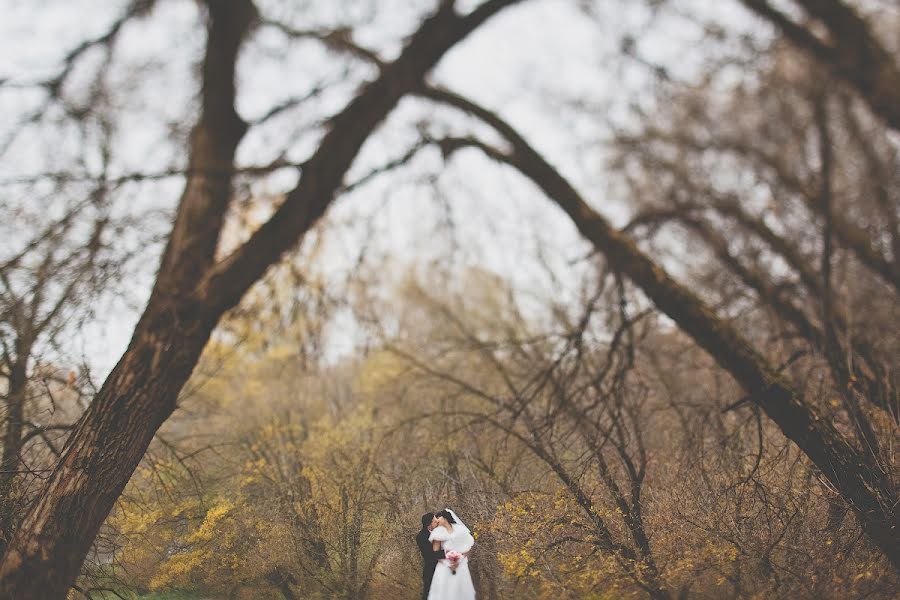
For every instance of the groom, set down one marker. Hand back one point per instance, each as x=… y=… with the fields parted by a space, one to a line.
x=429 y=557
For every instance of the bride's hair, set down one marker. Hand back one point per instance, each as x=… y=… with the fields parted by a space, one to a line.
x=446 y=514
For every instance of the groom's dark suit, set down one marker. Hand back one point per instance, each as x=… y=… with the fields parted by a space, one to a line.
x=429 y=560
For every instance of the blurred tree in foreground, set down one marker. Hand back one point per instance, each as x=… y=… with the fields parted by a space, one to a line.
x=597 y=449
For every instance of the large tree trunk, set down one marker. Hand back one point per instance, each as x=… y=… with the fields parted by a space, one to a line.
x=109 y=440
x=107 y=445
x=862 y=484
x=865 y=487
x=192 y=291
x=12 y=446
x=849 y=383
x=879 y=388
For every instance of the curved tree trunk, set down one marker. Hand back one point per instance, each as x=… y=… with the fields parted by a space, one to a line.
x=850 y=384
x=865 y=487
x=107 y=445
x=192 y=291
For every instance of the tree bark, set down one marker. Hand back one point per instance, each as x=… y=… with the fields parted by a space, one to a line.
x=862 y=484
x=192 y=292
x=872 y=379
x=105 y=448
x=868 y=378
x=851 y=51
x=108 y=442
x=870 y=388
x=12 y=446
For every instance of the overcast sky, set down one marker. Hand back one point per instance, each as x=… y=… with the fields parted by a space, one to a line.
x=533 y=63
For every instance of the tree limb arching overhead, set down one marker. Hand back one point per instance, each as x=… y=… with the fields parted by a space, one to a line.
x=866 y=488
x=192 y=291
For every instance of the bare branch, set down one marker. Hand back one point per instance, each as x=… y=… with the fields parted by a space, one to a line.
x=862 y=484
x=853 y=52
x=226 y=282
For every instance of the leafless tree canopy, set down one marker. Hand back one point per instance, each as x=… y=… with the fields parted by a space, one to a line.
x=277 y=277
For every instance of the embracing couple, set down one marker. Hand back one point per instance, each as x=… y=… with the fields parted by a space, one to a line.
x=444 y=542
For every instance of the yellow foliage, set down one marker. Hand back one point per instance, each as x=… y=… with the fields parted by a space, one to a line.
x=380 y=370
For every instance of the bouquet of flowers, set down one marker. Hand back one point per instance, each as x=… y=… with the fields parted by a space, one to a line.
x=454 y=557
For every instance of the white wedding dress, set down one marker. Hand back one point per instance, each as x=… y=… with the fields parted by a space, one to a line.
x=446 y=585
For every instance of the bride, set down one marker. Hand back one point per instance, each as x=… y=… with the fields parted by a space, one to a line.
x=451 y=581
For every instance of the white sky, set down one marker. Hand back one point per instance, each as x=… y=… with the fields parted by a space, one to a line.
x=530 y=63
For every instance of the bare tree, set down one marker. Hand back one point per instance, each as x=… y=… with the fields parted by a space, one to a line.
x=46 y=288
x=200 y=278
x=851 y=50
x=573 y=404
x=854 y=473
x=193 y=290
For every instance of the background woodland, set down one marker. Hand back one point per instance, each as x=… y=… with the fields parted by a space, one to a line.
x=646 y=348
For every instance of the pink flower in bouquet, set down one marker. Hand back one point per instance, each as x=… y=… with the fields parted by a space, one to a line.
x=453 y=556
